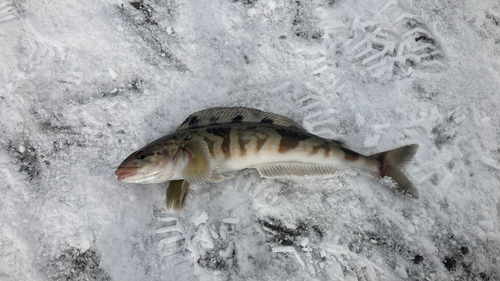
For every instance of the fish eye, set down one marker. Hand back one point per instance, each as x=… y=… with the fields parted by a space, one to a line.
x=141 y=155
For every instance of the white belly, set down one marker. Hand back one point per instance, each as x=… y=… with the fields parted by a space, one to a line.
x=247 y=161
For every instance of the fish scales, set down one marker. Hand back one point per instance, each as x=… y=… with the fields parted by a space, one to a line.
x=212 y=144
x=238 y=146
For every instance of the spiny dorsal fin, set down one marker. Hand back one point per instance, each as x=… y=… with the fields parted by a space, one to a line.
x=226 y=115
x=176 y=194
x=198 y=168
x=276 y=170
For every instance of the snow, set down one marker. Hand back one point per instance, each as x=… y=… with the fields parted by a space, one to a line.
x=83 y=84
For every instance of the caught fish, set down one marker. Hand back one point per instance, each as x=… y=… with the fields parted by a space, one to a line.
x=213 y=144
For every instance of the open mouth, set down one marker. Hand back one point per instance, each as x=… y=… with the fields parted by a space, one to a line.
x=125 y=172
x=131 y=174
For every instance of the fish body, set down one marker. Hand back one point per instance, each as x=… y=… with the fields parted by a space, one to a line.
x=213 y=144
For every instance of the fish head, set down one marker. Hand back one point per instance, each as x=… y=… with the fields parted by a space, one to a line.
x=154 y=163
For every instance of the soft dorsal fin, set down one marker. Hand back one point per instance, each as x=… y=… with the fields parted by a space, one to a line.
x=226 y=115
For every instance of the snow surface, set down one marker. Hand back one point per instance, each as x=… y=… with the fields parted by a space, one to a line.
x=85 y=83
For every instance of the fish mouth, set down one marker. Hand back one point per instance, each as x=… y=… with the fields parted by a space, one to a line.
x=125 y=172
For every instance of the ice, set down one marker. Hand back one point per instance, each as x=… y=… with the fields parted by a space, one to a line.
x=460 y=118
x=167 y=229
x=169 y=30
x=323 y=253
x=490 y=162
x=203 y=239
x=401 y=271
x=319 y=70
x=360 y=120
x=289 y=250
x=112 y=73
x=493 y=237
x=371 y=140
x=304 y=242
x=214 y=234
x=281 y=87
x=488 y=225
x=199 y=218
x=377 y=128
x=271 y=5
x=231 y=220
x=83 y=86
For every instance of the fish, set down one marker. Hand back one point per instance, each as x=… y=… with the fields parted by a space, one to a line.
x=213 y=144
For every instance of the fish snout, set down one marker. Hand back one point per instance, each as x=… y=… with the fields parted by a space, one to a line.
x=125 y=172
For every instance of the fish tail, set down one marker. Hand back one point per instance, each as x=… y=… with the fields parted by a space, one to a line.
x=392 y=163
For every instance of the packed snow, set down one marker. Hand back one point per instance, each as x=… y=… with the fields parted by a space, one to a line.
x=85 y=83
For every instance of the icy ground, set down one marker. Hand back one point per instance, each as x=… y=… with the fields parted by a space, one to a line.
x=85 y=83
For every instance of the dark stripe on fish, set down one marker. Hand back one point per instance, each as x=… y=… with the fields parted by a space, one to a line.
x=349 y=154
x=224 y=133
x=325 y=147
x=210 y=144
x=290 y=139
x=193 y=121
x=267 y=121
x=237 y=119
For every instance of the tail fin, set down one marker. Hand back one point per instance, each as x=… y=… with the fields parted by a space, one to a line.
x=392 y=163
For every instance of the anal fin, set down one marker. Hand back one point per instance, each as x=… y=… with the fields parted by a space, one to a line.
x=218 y=176
x=276 y=170
x=176 y=194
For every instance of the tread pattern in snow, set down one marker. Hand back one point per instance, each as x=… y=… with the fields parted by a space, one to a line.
x=304 y=246
x=319 y=114
x=7 y=12
x=394 y=41
x=249 y=182
x=28 y=157
x=73 y=264
x=144 y=16
x=38 y=55
x=175 y=258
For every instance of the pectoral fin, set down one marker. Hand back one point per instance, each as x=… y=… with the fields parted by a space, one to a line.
x=176 y=194
x=198 y=168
